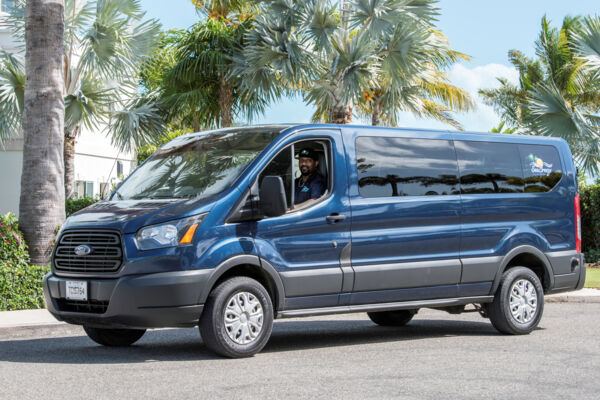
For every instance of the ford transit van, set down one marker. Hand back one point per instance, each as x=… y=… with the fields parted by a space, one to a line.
x=232 y=228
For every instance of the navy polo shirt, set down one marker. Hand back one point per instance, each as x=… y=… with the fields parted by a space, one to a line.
x=313 y=188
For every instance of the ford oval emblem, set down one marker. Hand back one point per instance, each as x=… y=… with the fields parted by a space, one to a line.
x=82 y=250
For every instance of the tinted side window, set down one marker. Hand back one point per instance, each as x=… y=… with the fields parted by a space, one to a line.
x=541 y=167
x=405 y=167
x=487 y=167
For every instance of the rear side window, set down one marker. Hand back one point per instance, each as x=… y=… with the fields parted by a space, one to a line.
x=389 y=167
x=487 y=167
x=541 y=167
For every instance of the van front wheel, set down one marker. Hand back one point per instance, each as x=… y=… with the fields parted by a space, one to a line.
x=392 y=318
x=237 y=318
x=518 y=303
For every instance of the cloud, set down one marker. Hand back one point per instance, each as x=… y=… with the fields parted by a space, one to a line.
x=483 y=77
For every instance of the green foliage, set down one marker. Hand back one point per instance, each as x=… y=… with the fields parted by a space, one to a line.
x=592 y=256
x=21 y=287
x=106 y=42
x=382 y=56
x=498 y=129
x=590 y=219
x=558 y=90
x=13 y=250
x=143 y=152
x=74 y=205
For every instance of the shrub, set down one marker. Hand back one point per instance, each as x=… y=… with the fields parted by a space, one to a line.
x=13 y=250
x=590 y=216
x=21 y=287
x=74 y=205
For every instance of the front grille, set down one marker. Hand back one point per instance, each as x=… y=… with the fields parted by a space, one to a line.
x=106 y=255
x=89 y=306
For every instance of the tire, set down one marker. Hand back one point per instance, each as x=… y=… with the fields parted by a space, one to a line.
x=518 y=303
x=392 y=318
x=114 y=337
x=237 y=318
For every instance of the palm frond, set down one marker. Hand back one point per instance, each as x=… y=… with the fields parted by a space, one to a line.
x=89 y=104
x=550 y=115
x=587 y=44
x=137 y=124
x=12 y=90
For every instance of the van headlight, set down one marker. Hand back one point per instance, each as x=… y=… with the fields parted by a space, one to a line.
x=169 y=234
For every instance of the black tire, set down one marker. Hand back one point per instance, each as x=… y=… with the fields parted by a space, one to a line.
x=114 y=337
x=500 y=312
x=215 y=333
x=392 y=318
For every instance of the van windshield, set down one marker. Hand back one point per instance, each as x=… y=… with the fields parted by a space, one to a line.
x=196 y=166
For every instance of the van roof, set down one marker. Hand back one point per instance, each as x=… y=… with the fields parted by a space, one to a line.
x=467 y=135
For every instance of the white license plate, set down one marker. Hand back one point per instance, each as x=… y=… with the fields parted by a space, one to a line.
x=76 y=290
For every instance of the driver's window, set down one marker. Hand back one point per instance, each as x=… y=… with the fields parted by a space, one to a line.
x=305 y=168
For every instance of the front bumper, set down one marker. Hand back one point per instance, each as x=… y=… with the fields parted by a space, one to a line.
x=166 y=299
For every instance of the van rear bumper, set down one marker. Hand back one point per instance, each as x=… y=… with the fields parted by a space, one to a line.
x=571 y=281
x=168 y=299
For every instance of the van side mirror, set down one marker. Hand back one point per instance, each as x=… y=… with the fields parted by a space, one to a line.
x=247 y=208
x=272 y=196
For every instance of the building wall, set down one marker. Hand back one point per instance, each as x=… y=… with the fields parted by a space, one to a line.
x=11 y=163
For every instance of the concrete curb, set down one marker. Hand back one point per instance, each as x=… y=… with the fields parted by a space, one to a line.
x=586 y=295
x=17 y=323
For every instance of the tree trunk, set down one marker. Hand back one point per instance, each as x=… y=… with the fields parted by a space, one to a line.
x=225 y=104
x=69 y=155
x=341 y=115
x=375 y=117
x=42 y=203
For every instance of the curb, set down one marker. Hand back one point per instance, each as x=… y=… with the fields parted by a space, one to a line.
x=25 y=326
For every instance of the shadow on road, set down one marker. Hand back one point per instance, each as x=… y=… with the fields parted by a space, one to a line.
x=185 y=344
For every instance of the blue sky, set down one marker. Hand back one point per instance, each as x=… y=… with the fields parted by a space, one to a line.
x=484 y=29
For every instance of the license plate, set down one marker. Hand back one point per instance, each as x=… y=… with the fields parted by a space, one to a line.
x=76 y=290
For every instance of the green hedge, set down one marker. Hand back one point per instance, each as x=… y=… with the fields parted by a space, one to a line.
x=74 y=205
x=590 y=221
x=21 y=287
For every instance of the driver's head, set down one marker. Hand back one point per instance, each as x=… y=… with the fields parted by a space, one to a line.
x=308 y=161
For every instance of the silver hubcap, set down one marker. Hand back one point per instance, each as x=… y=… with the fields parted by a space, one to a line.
x=523 y=301
x=243 y=318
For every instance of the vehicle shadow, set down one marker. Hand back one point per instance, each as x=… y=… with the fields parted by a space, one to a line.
x=186 y=344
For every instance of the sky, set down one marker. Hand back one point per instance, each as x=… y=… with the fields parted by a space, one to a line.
x=484 y=29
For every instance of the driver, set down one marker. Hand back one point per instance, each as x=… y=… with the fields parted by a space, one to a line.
x=310 y=186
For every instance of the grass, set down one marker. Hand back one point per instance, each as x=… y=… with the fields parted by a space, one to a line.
x=592 y=278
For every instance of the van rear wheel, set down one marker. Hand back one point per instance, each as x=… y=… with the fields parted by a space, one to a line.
x=114 y=337
x=392 y=318
x=237 y=318
x=518 y=303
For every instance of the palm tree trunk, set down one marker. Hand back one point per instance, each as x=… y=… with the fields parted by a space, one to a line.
x=375 y=116
x=225 y=104
x=341 y=115
x=69 y=156
x=42 y=203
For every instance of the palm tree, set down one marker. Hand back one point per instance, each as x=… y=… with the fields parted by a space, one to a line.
x=383 y=55
x=41 y=209
x=195 y=84
x=558 y=92
x=105 y=43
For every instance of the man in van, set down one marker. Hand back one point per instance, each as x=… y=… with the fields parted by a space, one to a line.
x=310 y=186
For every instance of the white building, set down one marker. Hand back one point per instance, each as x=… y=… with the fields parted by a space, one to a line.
x=97 y=163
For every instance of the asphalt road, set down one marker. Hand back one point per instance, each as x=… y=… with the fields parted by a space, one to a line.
x=437 y=356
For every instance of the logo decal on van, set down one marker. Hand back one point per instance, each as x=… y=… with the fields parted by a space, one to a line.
x=539 y=167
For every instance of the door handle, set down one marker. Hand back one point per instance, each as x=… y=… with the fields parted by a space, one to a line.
x=333 y=218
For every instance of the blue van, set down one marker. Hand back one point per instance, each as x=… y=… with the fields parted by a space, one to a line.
x=232 y=228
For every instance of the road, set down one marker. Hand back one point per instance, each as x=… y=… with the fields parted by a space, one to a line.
x=437 y=356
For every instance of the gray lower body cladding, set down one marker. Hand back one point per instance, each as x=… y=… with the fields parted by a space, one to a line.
x=169 y=299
